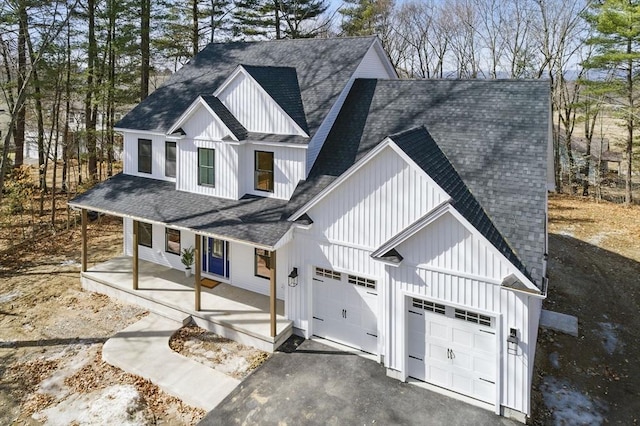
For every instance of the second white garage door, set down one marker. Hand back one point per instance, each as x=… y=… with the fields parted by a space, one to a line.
x=452 y=348
x=345 y=309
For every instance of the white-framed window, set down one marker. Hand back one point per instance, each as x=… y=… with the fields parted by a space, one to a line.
x=172 y=241
x=144 y=156
x=145 y=234
x=362 y=282
x=429 y=306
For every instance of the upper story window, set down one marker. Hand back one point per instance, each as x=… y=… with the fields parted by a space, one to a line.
x=264 y=171
x=206 y=166
x=144 y=155
x=145 y=234
x=170 y=159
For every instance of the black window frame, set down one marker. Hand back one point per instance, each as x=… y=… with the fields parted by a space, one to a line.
x=145 y=228
x=212 y=167
x=167 y=161
x=145 y=162
x=258 y=172
x=262 y=254
x=168 y=231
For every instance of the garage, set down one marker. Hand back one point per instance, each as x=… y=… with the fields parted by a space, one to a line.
x=452 y=348
x=345 y=309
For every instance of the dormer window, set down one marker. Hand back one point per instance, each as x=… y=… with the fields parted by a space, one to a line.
x=144 y=156
x=206 y=166
x=264 y=171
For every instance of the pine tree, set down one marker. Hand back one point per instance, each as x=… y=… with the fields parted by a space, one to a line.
x=256 y=19
x=365 y=17
x=616 y=24
x=302 y=17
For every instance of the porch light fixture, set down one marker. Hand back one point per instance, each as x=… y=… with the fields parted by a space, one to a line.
x=293 y=277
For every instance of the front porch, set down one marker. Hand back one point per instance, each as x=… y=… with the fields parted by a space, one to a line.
x=226 y=310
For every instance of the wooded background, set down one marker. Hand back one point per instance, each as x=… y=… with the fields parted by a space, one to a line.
x=71 y=68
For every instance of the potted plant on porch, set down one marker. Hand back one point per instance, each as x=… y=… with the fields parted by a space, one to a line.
x=187 y=260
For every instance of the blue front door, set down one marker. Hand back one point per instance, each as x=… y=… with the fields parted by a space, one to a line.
x=216 y=257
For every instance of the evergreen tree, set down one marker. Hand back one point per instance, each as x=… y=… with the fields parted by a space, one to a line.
x=256 y=19
x=365 y=17
x=616 y=24
x=302 y=17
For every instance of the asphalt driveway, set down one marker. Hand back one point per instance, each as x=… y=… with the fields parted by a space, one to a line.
x=313 y=384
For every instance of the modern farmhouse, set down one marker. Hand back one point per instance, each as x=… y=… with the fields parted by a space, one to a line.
x=325 y=197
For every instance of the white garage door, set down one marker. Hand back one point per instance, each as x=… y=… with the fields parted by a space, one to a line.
x=345 y=309
x=452 y=348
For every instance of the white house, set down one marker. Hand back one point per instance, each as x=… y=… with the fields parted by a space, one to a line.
x=407 y=218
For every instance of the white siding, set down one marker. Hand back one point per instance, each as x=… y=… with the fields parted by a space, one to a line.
x=202 y=125
x=381 y=199
x=288 y=170
x=130 y=155
x=242 y=270
x=156 y=253
x=446 y=263
x=255 y=109
x=371 y=66
x=226 y=168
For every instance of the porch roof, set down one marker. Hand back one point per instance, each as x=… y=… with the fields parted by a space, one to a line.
x=255 y=220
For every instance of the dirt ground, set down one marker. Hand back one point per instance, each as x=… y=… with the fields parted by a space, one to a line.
x=594 y=272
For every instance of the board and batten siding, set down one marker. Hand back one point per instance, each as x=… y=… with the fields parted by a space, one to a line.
x=130 y=155
x=225 y=171
x=202 y=125
x=371 y=66
x=446 y=263
x=307 y=251
x=377 y=202
x=288 y=169
x=255 y=109
x=157 y=253
x=242 y=270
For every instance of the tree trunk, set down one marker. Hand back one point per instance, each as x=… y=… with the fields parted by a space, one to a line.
x=628 y=193
x=144 y=46
x=19 y=129
x=90 y=124
x=195 y=34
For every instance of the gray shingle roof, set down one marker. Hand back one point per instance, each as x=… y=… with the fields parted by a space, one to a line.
x=252 y=219
x=418 y=144
x=494 y=132
x=281 y=83
x=323 y=67
x=225 y=115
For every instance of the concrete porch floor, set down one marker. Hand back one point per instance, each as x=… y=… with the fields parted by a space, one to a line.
x=229 y=311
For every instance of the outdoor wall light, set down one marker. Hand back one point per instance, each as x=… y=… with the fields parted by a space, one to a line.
x=293 y=277
x=512 y=340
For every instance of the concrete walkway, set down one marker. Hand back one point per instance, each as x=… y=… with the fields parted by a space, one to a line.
x=143 y=349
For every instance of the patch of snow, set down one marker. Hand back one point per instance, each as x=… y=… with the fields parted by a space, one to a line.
x=609 y=334
x=569 y=406
x=7 y=343
x=115 y=405
x=554 y=357
x=54 y=385
x=8 y=297
x=70 y=262
x=566 y=233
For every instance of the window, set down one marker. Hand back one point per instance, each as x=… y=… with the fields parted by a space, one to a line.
x=263 y=263
x=264 y=171
x=328 y=273
x=170 y=159
x=144 y=156
x=473 y=317
x=145 y=234
x=429 y=306
x=206 y=166
x=172 y=238
x=362 y=282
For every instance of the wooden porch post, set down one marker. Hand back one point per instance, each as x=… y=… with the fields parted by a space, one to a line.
x=83 y=219
x=135 y=254
x=198 y=271
x=272 y=294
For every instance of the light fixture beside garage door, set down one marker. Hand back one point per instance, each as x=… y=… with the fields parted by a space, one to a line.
x=512 y=341
x=293 y=277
